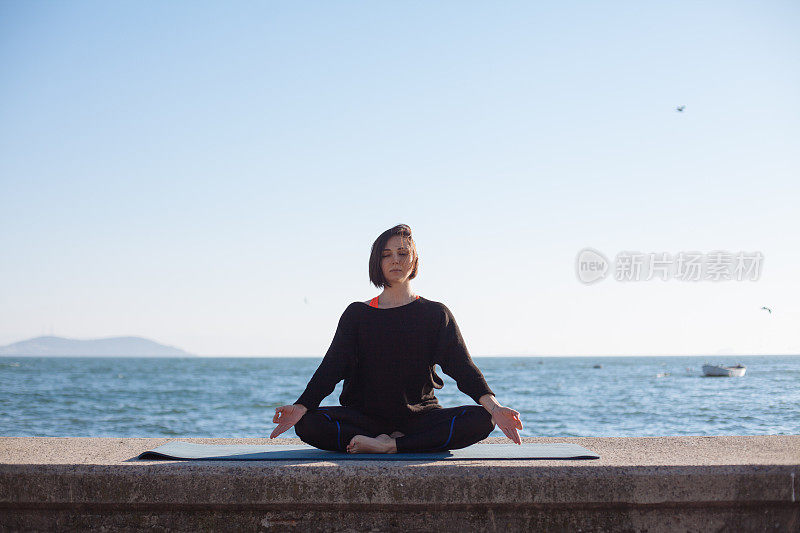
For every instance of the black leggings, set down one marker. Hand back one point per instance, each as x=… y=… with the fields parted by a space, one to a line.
x=332 y=427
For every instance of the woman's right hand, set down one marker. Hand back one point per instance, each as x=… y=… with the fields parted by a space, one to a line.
x=286 y=416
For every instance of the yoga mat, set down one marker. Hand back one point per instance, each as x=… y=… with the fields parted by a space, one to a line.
x=283 y=452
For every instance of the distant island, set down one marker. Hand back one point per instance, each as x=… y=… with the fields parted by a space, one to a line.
x=107 y=347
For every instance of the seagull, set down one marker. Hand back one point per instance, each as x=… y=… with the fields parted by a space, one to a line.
x=768 y=309
x=680 y=108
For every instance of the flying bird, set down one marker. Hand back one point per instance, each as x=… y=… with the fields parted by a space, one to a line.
x=768 y=309
x=680 y=108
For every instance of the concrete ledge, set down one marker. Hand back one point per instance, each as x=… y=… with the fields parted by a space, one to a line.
x=639 y=484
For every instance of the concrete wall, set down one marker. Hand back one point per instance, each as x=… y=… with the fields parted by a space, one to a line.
x=639 y=484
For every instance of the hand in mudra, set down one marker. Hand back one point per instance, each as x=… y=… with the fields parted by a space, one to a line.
x=508 y=421
x=286 y=416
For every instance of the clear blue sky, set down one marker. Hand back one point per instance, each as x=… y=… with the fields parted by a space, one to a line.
x=192 y=172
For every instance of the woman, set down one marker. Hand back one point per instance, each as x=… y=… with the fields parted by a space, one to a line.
x=385 y=349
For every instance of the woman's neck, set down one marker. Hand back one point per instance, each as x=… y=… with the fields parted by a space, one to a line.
x=398 y=294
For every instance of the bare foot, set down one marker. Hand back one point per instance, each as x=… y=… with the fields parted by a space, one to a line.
x=396 y=434
x=383 y=443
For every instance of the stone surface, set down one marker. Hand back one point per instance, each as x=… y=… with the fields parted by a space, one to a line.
x=639 y=484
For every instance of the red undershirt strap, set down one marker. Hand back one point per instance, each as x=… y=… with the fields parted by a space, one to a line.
x=374 y=301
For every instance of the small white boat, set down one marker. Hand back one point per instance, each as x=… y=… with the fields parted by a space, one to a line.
x=724 y=371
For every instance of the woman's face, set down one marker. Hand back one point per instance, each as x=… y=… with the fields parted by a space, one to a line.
x=396 y=259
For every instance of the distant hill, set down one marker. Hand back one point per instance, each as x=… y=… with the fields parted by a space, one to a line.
x=110 y=346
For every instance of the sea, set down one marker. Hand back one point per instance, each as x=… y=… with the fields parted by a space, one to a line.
x=237 y=396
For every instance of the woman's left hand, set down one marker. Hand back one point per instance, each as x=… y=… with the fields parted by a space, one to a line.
x=508 y=421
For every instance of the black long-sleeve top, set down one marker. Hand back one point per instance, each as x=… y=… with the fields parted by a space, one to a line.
x=387 y=357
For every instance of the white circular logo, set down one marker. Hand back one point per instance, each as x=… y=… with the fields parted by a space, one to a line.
x=591 y=266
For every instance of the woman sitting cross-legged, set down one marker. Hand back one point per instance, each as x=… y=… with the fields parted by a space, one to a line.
x=385 y=350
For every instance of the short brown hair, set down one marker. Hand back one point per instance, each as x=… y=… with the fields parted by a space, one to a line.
x=375 y=271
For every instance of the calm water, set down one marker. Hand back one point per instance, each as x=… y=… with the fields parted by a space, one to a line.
x=236 y=397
